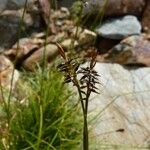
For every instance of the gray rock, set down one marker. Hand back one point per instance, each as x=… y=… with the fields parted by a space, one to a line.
x=10 y=21
x=120 y=112
x=3 y=4
x=13 y=4
x=20 y=3
x=9 y=26
x=119 y=28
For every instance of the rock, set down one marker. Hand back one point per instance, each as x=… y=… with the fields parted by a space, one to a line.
x=23 y=49
x=61 y=14
x=10 y=26
x=84 y=36
x=57 y=38
x=113 y=7
x=46 y=9
x=65 y=3
x=68 y=43
x=119 y=28
x=13 y=4
x=9 y=78
x=120 y=113
x=6 y=72
x=17 y=4
x=146 y=18
x=55 y=19
x=51 y=51
x=132 y=50
x=3 y=4
x=87 y=37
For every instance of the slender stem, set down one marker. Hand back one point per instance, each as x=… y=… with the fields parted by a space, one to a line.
x=84 y=109
x=75 y=81
x=85 y=131
x=85 y=134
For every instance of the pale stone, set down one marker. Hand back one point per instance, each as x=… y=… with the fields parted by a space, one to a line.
x=119 y=28
x=120 y=113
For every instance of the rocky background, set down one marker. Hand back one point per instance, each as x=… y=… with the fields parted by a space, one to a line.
x=119 y=30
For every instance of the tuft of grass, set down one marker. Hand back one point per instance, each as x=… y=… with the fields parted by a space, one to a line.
x=45 y=119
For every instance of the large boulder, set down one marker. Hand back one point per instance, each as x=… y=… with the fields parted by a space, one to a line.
x=13 y=4
x=3 y=4
x=132 y=50
x=119 y=28
x=48 y=52
x=113 y=7
x=120 y=113
x=15 y=24
x=9 y=27
x=146 y=18
x=16 y=4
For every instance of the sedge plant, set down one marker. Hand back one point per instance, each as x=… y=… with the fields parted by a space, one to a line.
x=44 y=119
x=59 y=125
x=85 y=84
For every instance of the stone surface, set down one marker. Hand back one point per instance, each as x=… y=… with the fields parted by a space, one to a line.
x=119 y=28
x=11 y=12
x=146 y=18
x=9 y=78
x=87 y=37
x=16 y=4
x=24 y=49
x=120 y=112
x=50 y=52
x=13 y=4
x=6 y=71
x=10 y=26
x=45 y=6
x=132 y=50
x=84 y=37
x=67 y=43
x=3 y=4
x=113 y=7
